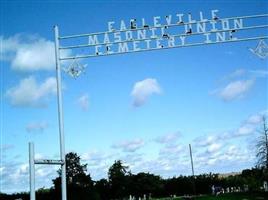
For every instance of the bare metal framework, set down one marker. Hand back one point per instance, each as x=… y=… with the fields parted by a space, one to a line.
x=61 y=162
x=76 y=68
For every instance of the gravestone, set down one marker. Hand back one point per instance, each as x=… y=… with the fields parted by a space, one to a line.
x=265 y=186
x=245 y=188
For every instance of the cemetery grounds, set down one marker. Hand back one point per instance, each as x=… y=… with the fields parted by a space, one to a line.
x=231 y=196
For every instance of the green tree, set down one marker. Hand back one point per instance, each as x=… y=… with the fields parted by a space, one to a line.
x=118 y=175
x=146 y=184
x=103 y=189
x=79 y=184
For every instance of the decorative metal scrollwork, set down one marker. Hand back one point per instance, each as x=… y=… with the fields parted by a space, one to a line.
x=75 y=69
x=261 y=50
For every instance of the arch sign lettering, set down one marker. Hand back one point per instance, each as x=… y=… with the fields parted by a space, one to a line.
x=164 y=32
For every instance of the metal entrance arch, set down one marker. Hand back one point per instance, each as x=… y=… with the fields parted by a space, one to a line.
x=134 y=36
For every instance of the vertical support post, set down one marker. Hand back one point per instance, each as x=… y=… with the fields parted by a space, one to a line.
x=192 y=164
x=31 y=171
x=60 y=115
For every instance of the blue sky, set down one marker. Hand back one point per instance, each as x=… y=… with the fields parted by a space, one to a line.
x=209 y=96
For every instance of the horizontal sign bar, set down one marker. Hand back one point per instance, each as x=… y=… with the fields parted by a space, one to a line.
x=166 y=35
x=167 y=47
x=48 y=162
x=163 y=26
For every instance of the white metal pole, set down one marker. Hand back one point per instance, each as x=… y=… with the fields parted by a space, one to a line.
x=31 y=171
x=60 y=115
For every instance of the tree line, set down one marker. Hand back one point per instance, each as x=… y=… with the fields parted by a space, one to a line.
x=121 y=183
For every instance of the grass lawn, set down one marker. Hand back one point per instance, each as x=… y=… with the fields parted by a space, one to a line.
x=233 y=196
x=237 y=196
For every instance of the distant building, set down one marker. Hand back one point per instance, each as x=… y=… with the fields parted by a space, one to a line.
x=225 y=175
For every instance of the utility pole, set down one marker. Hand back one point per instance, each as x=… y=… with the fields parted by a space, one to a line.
x=31 y=171
x=192 y=165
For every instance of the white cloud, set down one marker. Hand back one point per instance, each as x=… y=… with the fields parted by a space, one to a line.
x=14 y=176
x=29 y=52
x=129 y=146
x=29 y=93
x=235 y=89
x=8 y=46
x=95 y=156
x=38 y=156
x=38 y=55
x=171 y=150
x=211 y=142
x=168 y=138
x=240 y=82
x=259 y=73
x=249 y=126
x=214 y=147
x=232 y=150
x=224 y=158
x=98 y=162
x=235 y=74
x=205 y=140
x=83 y=102
x=38 y=126
x=245 y=130
x=142 y=90
x=255 y=119
x=5 y=147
